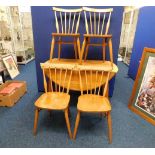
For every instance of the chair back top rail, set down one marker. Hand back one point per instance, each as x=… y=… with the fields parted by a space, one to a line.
x=97 y=10
x=97 y=21
x=67 y=10
x=67 y=20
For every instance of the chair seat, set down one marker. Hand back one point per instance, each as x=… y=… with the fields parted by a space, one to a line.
x=66 y=34
x=53 y=101
x=93 y=103
x=98 y=35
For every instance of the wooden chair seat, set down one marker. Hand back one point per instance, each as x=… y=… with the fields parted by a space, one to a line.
x=98 y=35
x=93 y=103
x=53 y=101
x=66 y=34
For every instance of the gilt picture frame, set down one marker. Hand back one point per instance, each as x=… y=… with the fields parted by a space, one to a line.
x=11 y=66
x=142 y=100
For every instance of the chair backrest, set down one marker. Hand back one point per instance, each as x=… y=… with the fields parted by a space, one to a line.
x=67 y=20
x=59 y=77
x=97 y=21
x=92 y=79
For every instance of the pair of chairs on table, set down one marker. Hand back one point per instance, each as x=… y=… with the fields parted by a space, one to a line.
x=90 y=100
x=97 y=23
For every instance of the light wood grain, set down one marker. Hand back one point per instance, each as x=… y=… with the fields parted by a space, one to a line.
x=109 y=127
x=36 y=121
x=57 y=24
x=66 y=25
x=58 y=98
x=89 y=64
x=52 y=48
x=92 y=102
x=76 y=124
x=53 y=101
x=97 y=28
x=66 y=10
x=97 y=10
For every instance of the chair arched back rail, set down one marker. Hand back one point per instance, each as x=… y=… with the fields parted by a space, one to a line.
x=67 y=25
x=97 y=23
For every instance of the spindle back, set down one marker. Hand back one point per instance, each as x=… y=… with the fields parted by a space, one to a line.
x=97 y=21
x=59 y=77
x=91 y=80
x=67 y=20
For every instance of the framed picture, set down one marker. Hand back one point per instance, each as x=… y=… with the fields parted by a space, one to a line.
x=142 y=100
x=11 y=66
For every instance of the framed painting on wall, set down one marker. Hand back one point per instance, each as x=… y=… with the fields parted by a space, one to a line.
x=142 y=100
x=11 y=66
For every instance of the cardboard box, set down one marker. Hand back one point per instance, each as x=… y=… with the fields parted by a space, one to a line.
x=10 y=99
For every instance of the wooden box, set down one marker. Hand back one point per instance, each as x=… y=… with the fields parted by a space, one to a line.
x=10 y=99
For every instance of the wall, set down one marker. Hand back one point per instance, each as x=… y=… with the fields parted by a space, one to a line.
x=144 y=37
x=43 y=22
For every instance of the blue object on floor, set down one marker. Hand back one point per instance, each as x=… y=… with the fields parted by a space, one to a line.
x=129 y=130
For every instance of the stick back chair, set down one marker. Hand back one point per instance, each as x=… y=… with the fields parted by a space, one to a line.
x=58 y=98
x=91 y=100
x=97 y=23
x=67 y=25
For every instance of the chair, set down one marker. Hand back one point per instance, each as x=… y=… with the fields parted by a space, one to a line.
x=97 y=23
x=58 y=99
x=91 y=100
x=67 y=24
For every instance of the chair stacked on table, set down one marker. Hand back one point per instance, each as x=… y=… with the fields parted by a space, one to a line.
x=93 y=80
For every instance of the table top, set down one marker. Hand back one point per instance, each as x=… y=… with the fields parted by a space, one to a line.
x=74 y=85
x=106 y=65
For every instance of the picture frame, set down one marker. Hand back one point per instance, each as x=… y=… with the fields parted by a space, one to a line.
x=11 y=66
x=142 y=100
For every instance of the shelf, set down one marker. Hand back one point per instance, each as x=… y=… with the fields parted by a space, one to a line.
x=25 y=62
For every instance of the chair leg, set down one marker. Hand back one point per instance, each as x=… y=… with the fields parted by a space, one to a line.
x=78 y=48
x=75 y=49
x=109 y=127
x=100 y=114
x=68 y=124
x=103 y=49
x=87 y=46
x=59 y=50
x=52 y=48
x=76 y=124
x=36 y=121
x=111 y=51
x=82 y=50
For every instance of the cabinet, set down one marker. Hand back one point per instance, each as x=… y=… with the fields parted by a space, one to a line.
x=22 y=33
x=16 y=34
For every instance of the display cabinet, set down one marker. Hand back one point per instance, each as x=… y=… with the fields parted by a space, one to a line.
x=6 y=39
x=22 y=34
